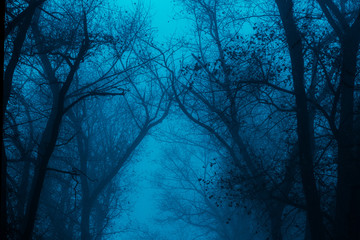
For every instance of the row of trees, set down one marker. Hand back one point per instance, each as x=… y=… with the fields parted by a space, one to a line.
x=294 y=78
x=275 y=86
x=76 y=110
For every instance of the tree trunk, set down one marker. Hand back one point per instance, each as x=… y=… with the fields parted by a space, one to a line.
x=23 y=189
x=46 y=148
x=347 y=216
x=16 y=51
x=276 y=221
x=83 y=148
x=7 y=86
x=3 y=165
x=52 y=129
x=307 y=235
x=294 y=41
x=276 y=208
x=101 y=217
x=3 y=223
x=85 y=221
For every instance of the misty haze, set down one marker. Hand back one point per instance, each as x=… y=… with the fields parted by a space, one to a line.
x=180 y=120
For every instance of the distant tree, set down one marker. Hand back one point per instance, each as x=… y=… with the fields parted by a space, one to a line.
x=119 y=137
x=108 y=133
x=190 y=195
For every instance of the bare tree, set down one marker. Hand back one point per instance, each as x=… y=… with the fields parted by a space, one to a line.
x=19 y=22
x=59 y=51
x=349 y=41
x=191 y=195
x=303 y=129
x=348 y=192
x=214 y=93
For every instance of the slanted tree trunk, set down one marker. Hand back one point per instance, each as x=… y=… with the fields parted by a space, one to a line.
x=46 y=148
x=52 y=129
x=23 y=24
x=294 y=41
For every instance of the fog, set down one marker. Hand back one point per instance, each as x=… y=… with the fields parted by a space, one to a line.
x=181 y=120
